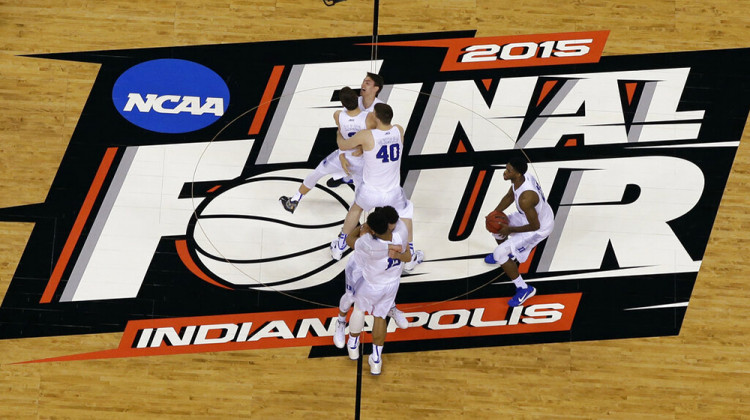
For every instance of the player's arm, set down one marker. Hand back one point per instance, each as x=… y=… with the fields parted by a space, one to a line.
x=370 y=121
x=352 y=238
x=344 y=164
x=358 y=139
x=394 y=252
x=506 y=201
x=527 y=202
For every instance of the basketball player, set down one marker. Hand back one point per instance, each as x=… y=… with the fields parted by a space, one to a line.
x=530 y=225
x=381 y=253
x=349 y=121
x=381 y=178
x=368 y=97
x=353 y=277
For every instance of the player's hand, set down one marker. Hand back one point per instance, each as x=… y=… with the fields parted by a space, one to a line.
x=505 y=230
x=345 y=165
x=357 y=151
x=365 y=229
x=394 y=251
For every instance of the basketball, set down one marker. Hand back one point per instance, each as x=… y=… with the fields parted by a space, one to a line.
x=495 y=221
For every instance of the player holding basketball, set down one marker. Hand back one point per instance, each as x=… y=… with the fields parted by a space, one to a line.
x=353 y=277
x=380 y=252
x=530 y=225
x=349 y=121
x=368 y=97
x=381 y=178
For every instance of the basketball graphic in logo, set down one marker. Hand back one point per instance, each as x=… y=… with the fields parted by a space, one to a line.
x=244 y=237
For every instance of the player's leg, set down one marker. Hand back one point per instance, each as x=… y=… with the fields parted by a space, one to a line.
x=405 y=209
x=353 y=277
x=503 y=255
x=379 y=329
x=356 y=324
x=329 y=165
x=385 y=301
x=338 y=246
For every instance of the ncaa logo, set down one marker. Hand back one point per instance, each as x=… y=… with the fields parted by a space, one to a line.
x=170 y=96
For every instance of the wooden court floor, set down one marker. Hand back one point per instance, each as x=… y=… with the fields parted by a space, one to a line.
x=702 y=373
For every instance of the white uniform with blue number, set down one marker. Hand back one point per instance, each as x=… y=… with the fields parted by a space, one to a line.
x=331 y=165
x=381 y=174
x=381 y=276
x=523 y=242
x=353 y=272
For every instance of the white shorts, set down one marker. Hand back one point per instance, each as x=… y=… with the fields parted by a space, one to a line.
x=353 y=277
x=369 y=198
x=376 y=299
x=522 y=243
x=331 y=165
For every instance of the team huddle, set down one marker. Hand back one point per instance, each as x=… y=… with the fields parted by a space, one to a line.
x=369 y=155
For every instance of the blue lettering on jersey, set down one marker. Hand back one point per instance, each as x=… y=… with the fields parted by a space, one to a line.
x=389 y=153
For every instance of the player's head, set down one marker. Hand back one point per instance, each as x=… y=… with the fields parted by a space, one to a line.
x=519 y=164
x=377 y=222
x=372 y=83
x=390 y=214
x=383 y=112
x=348 y=98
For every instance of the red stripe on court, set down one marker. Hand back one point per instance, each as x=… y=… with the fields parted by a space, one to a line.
x=472 y=201
x=265 y=101
x=80 y=222
x=184 y=254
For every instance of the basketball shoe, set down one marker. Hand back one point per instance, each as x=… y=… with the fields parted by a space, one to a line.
x=288 y=204
x=333 y=183
x=339 y=336
x=375 y=367
x=336 y=251
x=399 y=318
x=521 y=296
x=416 y=259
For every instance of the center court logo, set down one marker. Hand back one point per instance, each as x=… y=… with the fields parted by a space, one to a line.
x=170 y=96
x=179 y=242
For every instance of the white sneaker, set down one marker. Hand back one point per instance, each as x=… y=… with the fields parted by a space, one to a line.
x=416 y=259
x=375 y=367
x=353 y=351
x=399 y=317
x=339 y=336
x=336 y=252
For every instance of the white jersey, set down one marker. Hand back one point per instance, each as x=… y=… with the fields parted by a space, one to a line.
x=371 y=107
x=349 y=126
x=382 y=164
x=543 y=209
x=377 y=268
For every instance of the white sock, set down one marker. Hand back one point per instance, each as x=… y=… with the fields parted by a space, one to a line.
x=298 y=196
x=377 y=352
x=342 y=318
x=353 y=342
x=520 y=283
x=342 y=240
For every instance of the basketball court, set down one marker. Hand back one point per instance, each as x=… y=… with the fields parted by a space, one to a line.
x=147 y=268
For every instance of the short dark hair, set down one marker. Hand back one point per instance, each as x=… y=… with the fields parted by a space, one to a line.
x=390 y=214
x=384 y=112
x=377 y=222
x=348 y=98
x=519 y=164
x=378 y=79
